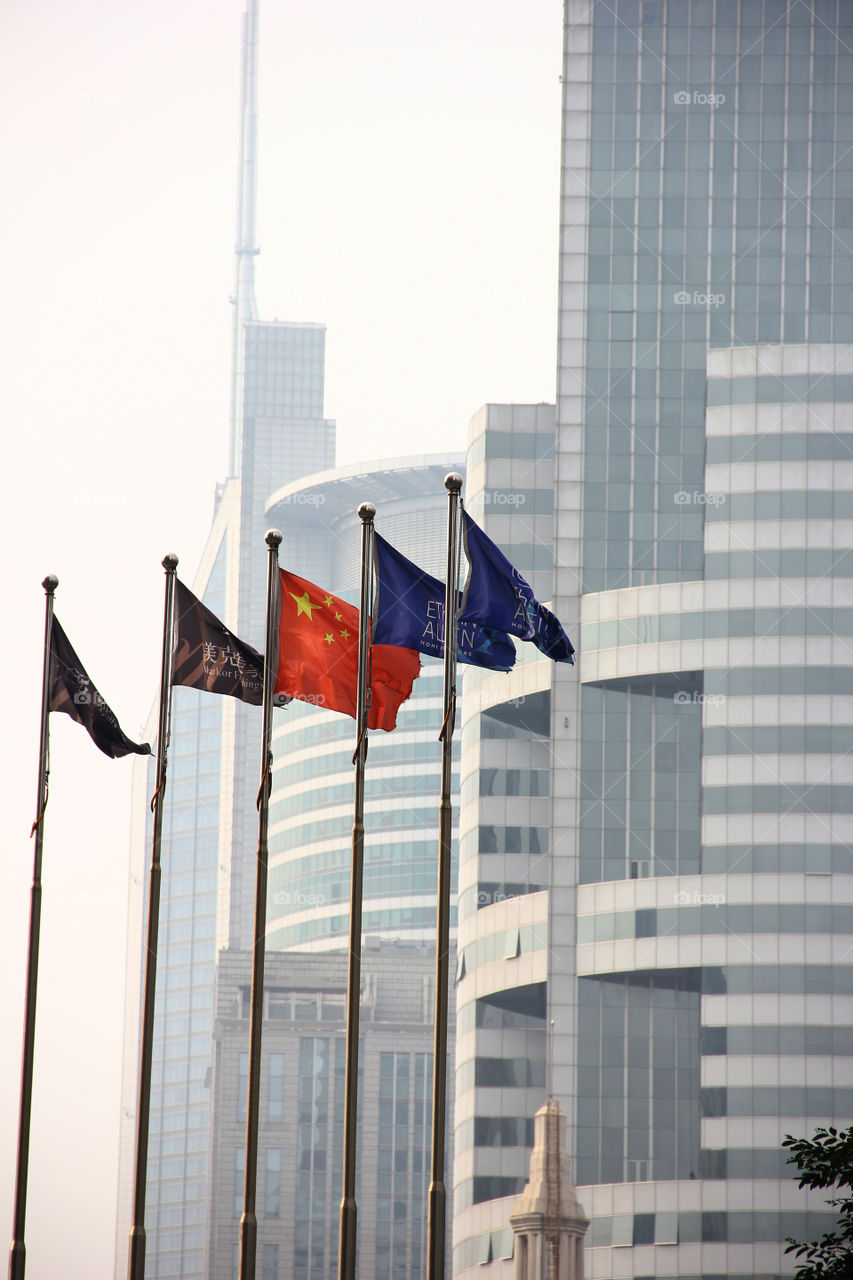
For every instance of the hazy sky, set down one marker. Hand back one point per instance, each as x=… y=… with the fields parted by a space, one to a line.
x=408 y=198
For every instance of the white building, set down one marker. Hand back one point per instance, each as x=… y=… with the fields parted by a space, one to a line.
x=681 y=965
x=210 y=824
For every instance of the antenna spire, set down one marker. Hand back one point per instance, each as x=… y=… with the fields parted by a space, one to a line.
x=243 y=300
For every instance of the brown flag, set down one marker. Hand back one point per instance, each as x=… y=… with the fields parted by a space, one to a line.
x=209 y=656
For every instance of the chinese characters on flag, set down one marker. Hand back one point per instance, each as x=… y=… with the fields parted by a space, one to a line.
x=208 y=656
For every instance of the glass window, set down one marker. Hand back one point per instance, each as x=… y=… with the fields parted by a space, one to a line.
x=242 y=1086
x=270 y=1262
x=239 y=1176
x=272 y=1190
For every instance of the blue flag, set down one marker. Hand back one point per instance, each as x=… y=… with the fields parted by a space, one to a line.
x=409 y=611
x=497 y=596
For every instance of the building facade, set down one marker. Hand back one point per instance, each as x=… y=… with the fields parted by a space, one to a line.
x=300 y=1155
x=694 y=938
x=311 y=802
x=505 y=865
x=279 y=435
x=210 y=823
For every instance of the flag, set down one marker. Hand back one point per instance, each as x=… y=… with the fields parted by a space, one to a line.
x=409 y=611
x=496 y=595
x=206 y=655
x=318 y=656
x=72 y=691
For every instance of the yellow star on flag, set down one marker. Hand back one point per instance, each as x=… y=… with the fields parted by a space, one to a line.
x=319 y=664
x=304 y=605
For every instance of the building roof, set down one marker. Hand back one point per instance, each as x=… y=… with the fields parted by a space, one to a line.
x=343 y=488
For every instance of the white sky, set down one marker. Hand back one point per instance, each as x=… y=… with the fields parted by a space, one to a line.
x=408 y=198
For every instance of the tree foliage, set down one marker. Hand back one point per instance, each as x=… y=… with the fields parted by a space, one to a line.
x=826 y=1160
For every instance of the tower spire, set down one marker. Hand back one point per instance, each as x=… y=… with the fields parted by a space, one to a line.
x=243 y=300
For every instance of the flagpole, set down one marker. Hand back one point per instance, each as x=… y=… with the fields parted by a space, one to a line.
x=18 y=1251
x=349 y=1208
x=437 y=1210
x=249 y=1221
x=136 y=1252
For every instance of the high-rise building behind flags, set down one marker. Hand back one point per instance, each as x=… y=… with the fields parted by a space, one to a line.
x=654 y=905
x=278 y=434
x=280 y=437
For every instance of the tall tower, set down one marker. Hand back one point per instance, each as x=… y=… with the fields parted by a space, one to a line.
x=696 y=925
x=278 y=433
x=302 y=1063
x=281 y=471
x=243 y=301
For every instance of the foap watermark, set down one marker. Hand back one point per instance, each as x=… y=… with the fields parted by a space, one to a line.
x=97 y=98
x=87 y=696
x=685 y=498
x=697 y=98
x=485 y=897
x=695 y=298
x=284 y=898
x=702 y=699
x=316 y=699
x=686 y=898
x=503 y=498
x=305 y=499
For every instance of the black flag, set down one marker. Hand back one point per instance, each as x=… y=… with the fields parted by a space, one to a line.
x=72 y=691
x=209 y=656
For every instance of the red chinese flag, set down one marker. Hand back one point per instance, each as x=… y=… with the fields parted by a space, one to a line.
x=318 y=655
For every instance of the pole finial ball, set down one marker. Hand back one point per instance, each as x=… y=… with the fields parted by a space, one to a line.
x=50 y=583
x=273 y=538
x=453 y=482
x=366 y=511
x=170 y=562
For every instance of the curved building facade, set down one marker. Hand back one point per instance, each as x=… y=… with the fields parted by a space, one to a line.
x=696 y=923
x=311 y=806
x=715 y=909
x=302 y=1070
x=504 y=856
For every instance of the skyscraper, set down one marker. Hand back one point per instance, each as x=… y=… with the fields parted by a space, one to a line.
x=281 y=470
x=278 y=432
x=683 y=973
x=310 y=843
x=210 y=823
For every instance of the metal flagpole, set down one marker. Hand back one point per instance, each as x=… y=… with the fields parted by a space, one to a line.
x=18 y=1251
x=437 y=1210
x=136 y=1257
x=349 y=1209
x=249 y=1221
